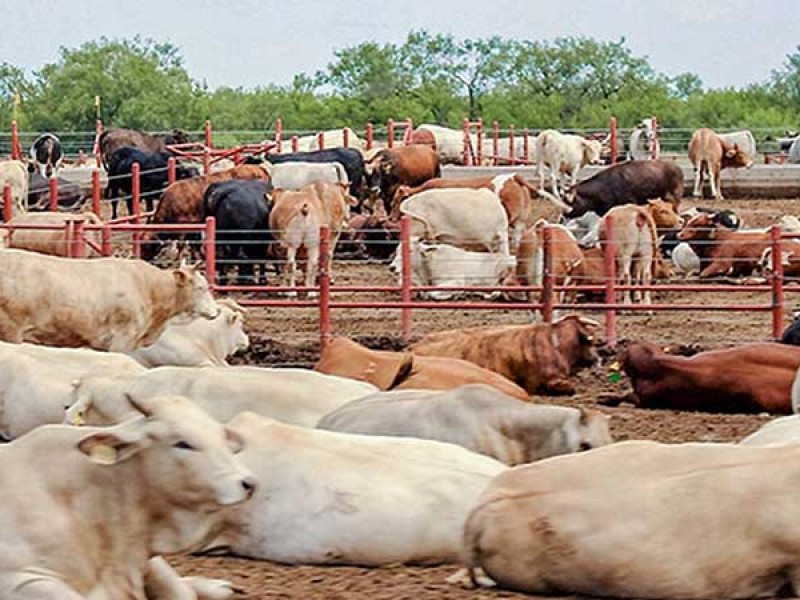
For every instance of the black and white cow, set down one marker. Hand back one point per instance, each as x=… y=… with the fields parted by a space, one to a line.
x=46 y=155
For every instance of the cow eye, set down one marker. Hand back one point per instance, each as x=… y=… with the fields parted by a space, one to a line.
x=183 y=446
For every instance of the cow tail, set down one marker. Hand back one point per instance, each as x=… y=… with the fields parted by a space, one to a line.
x=471 y=544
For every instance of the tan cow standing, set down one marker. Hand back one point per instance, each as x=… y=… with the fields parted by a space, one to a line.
x=539 y=358
x=296 y=218
x=53 y=241
x=644 y=520
x=709 y=155
x=15 y=174
x=110 y=304
x=113 y=499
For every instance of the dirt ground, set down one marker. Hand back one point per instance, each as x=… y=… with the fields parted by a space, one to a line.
x=289 y=337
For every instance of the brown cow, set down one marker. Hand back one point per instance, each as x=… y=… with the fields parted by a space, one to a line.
x=111 y=140
x=710 y=154
x=392 y=167
x=515 y=193
x=722 y=251
x=566 y=256
x=403 y=370
x=538 y=357
x=182 y=202
x=749 y=378
x=297 y=216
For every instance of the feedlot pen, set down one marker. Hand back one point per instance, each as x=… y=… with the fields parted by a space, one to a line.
x=283 y=336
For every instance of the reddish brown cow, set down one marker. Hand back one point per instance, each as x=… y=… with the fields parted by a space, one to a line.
x=538 y=357
x=182 y=202
x=403 y=370
x=390 y=168
x=749 y=378
x=722 y=251
x=710 y=154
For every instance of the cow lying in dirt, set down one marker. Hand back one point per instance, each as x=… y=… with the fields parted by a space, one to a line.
x=403 y=370
x=749 y=378
x=477 y=417
x=538 y=357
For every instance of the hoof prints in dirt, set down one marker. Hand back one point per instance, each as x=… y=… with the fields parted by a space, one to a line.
x=269 y=352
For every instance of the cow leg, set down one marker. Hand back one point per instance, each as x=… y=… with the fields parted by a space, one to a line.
x=712 y=182
x=554 y=177
x=717 y=177
x=162 y=582
x=625 y=266
x=291 y=268
x=312 y=268
x=36 y=583
x=698 y=180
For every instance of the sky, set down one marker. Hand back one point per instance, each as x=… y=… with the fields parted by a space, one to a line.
x=259 y=42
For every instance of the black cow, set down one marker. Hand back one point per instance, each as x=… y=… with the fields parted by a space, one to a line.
x=70 y=195
x=725 y=218
x=112 y=140
x=46 y=154
x=791 y=335
x=633 y=182
x=241 y=208
x=154 y=177
x=350 y=159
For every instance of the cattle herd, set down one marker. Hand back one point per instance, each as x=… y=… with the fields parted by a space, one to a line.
x=131 y=438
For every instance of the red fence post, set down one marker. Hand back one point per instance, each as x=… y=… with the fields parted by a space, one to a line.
x=136 y=200
x=98 y=153
x=346 y=137
x=206 y=161
x=614 y=142
x=53 y=194
x=777 y=282
x=495 y=142
x=610 y=270
x=68 y=231
x=295 y=143
x=547 y=278
x=511 y=153
x=96 y=192
x=655 y=146
x=16 y=151
x=171 y=173
x=78 y=239
x=321 y=140
x=405 y=253
x=210 y=247
x=278 y=134
x=526 y=146
x=390 y=133
x=409 y=127
x=324 y=287
x=105 y=240
x=209 y=134
x=370 y=135
x=8 y=206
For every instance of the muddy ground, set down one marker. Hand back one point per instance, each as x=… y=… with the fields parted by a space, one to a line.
x=289 y=337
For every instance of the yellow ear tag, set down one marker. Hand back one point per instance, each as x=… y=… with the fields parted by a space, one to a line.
x=77 y=419
x=103 y=454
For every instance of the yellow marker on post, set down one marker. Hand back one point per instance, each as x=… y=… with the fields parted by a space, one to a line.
x=97 y=105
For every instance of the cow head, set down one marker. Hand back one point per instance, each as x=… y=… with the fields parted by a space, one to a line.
x=734 y=156
x=187 y=464
x=235 y=339
x=592 y=150
x=664 y=215
x=193 y=293
x=593 y=430
x=576 y=340
x=699 y=227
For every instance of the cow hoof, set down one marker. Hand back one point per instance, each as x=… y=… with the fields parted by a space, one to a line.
x=478 y=579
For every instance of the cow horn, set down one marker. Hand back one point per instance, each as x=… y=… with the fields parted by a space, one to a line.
x=552 y=199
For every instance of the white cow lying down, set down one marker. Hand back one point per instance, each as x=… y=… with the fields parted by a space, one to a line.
x=778 y=432
x=297 y=396
x=199 y=342
x=332 y=498
x=644 y=520
x=113 y=499
x=443 y=265
x=36 y=382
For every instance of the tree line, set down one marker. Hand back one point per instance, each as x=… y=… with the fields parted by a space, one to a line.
x=572 y=82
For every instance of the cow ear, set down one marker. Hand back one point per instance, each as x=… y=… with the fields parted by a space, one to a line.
x=116 y=444
x=182 y=277
x=234 y=440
